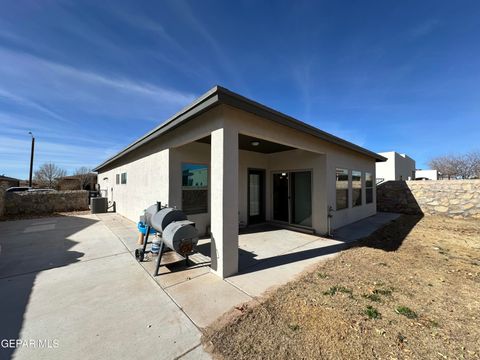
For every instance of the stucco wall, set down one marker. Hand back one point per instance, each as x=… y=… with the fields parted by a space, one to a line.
x=397 y=167
x=452 y=198
x=154 y=170
x=37 y=203
x=335 y=156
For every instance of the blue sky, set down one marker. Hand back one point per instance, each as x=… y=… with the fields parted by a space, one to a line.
x=88 y=78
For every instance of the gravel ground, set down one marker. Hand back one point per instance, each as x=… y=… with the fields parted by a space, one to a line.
x=409 y=291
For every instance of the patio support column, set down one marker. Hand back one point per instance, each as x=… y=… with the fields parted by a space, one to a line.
x=224 y=201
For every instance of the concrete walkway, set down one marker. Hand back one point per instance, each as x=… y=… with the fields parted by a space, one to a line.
x=70 y=283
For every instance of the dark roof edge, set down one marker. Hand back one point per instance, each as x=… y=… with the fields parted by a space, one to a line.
x=218 y=95
x=230 y=98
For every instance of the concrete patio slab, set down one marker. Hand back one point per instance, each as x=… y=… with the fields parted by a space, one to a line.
x=97 y=302
x=268 y=241
x=39 y=244
x=206 y=297
x=268 y=257
x=278 y=270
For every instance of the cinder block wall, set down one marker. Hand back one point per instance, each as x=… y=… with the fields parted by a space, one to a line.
x=39 y=203
x=452 y=198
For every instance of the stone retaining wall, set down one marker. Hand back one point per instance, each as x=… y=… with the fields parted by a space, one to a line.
x=40 y=203
x=453 y=198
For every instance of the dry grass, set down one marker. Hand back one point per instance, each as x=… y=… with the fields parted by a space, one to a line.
x=418 y=300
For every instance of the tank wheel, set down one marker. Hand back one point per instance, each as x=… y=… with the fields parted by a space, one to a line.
x=139 y=254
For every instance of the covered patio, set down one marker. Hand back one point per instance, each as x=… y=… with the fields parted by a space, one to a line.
x=267 y=188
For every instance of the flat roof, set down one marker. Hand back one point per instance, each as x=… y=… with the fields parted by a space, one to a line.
x=220 y=95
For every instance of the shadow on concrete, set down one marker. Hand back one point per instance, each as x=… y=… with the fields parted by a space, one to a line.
x=387 y=238
x=27 y=248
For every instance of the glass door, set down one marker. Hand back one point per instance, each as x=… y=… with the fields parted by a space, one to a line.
x=256 y=196
x=301 y=198
x=292 y=197
x=280 y=197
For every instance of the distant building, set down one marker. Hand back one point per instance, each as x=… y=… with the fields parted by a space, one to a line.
x=73 y=182
x=427 y=174
x=397 y=167
x=7 y=182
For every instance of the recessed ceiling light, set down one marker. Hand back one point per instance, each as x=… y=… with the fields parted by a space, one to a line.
x=255 y=143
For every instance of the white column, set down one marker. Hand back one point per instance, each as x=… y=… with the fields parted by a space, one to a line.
x=224 y=201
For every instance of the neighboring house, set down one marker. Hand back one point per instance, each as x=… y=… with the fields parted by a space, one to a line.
x=7 y=182
x=73 y=182
x=227 y=160
x=427 y=174
x=397 y=167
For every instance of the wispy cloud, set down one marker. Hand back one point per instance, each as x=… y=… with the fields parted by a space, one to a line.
x=29 y=103
x=424 y=28
x=16 y=154
x=34 y=81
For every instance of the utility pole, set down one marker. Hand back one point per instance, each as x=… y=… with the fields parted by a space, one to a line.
x=31 y=160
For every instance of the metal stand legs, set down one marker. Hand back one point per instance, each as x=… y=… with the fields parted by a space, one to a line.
x=159 y=258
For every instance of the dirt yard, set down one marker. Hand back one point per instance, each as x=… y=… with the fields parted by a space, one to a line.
x=409 y=291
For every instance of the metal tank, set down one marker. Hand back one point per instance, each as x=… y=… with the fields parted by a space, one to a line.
x=161 y=219
x=181 y=236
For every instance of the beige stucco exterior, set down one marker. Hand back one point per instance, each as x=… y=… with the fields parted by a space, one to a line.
x=154 y=174
x=397 y=167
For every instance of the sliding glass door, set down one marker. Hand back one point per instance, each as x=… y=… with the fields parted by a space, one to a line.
x=280 y=197
x=292 y=197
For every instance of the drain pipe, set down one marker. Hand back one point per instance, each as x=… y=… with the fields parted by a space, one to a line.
x=329 y=218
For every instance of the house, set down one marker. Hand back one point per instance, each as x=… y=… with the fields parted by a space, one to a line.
x=226 y=160
x=78 y=182
x=7 y=182
x=427 y=174
x=397 y=167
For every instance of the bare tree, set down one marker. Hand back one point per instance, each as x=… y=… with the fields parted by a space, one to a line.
x=84 y=176
x=48 y=174
x=473 y=163
x=464 y=166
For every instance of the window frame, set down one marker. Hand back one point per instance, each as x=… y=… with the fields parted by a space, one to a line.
x=206 y=208
x=123 y=178
x=368 y=187
x=347 y=204
x=360 y=176
x=117 y=179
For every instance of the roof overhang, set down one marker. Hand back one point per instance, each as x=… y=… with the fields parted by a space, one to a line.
x=219 y=95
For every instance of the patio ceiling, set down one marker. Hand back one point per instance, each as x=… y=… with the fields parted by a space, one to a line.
x=245 y=143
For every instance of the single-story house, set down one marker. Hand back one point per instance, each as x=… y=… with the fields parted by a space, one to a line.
x=78 y=182
x=228 y=161
x=6 y=181
x=397 y=167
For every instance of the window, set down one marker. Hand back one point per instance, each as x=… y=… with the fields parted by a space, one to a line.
x=194 y=188
x=342 y=188
x=117 y=179
x=124 y=178
x=369 y=187
x=356 y=188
